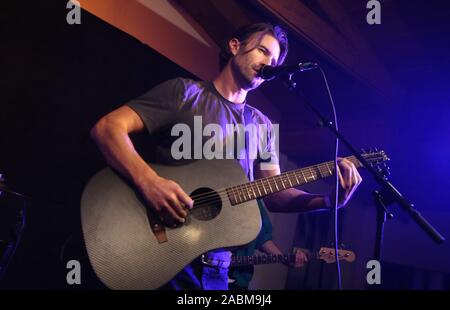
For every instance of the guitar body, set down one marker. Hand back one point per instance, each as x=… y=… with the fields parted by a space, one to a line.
x=121 y=245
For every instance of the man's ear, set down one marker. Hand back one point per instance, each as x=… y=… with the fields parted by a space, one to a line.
x=234 y=46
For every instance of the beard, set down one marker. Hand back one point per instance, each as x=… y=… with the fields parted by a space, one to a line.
x=245 y=74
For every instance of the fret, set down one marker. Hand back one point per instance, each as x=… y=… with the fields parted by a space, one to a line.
x=289 y=179
x=301 y=170
x=260 y=186
x=328 y=166
x=239 y=194
x=264 y=186
x=316 y=171
x=231 y=196
x=323 y=172
x=276 y=184
x=283 y=180
x=295 y=175
x=313 y=175
x=248 y=187
x=243 y=192
x=253 y=186
x=270 y=186
x=307 y=173
x=255 y=194
x=319 y=171
x=257 y=187
x=249 y=190
x=234 y=194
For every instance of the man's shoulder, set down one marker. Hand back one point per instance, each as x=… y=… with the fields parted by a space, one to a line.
x=189 y=86
x=259 y=116
x=188 y=83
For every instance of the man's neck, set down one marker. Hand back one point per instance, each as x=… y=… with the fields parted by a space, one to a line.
x=227 y=86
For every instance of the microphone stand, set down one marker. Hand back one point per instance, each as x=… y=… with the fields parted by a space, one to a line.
x=388 y=194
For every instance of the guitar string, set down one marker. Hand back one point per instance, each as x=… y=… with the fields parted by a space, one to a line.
x=271 y=179
x=235 y=190
x=217 y=198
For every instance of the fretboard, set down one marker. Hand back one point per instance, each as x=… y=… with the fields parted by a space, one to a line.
x=266 y=186
x=261 y=259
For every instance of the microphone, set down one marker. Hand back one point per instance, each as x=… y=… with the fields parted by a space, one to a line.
x=269 y=72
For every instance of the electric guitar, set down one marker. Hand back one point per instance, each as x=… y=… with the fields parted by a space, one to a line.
x=325 y=254
x=129 y=248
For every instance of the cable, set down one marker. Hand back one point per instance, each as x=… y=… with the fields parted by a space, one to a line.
x=336 y=193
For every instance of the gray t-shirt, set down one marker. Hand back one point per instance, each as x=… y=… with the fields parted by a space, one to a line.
x=184 y=101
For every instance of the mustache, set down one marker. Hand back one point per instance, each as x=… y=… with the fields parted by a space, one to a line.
x=257 y=68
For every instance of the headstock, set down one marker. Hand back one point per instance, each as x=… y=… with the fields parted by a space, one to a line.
x=377 y=159
x=327 y=254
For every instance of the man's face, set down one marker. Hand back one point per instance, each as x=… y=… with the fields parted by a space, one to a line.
x=249 y=59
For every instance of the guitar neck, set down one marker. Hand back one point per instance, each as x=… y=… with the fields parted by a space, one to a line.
x=326 y=254
x=238 y=261
x=269 y=185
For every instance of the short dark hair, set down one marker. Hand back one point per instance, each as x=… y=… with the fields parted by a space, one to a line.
x=243 y=34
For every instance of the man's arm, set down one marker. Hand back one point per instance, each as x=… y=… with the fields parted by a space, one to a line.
x=295 y=200
x=111 y=133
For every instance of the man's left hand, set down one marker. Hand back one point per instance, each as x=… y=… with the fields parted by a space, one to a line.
x=349 y=180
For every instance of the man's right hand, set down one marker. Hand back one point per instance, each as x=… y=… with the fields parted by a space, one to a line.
x=167 y=199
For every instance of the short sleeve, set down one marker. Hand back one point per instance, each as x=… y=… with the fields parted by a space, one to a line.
x=156 y=107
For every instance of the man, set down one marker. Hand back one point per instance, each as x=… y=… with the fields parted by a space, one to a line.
x=222 y=102
x=240 y=276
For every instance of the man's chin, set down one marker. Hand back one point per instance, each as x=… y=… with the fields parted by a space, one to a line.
x=252 y=83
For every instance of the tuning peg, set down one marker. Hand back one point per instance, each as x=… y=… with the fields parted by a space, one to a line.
x=375 y=149
x=363 y=150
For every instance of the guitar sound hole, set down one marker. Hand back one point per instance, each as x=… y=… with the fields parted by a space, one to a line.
x=207 y=204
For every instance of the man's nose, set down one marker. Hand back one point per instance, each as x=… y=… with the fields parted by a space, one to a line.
x=264 y=63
